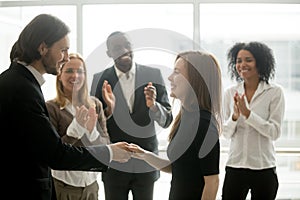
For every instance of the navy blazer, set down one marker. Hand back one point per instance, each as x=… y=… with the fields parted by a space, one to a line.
x=31 y=144
x=137 y=127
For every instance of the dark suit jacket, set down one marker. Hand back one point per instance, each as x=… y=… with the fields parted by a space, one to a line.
x=31 y=144
x=136 y=127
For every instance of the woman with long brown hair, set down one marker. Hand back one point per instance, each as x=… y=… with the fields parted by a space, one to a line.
x=193 y=153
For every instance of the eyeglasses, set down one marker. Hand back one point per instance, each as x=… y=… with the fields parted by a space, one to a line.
x=72 y=71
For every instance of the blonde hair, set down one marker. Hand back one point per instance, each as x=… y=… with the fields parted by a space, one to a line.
x=204 y=76
x=83 y=95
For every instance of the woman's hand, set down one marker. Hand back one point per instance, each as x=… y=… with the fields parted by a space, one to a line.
x=87 y=118
x=137 y=151
x=151 y=158
x=242 y=106
x=236 y=111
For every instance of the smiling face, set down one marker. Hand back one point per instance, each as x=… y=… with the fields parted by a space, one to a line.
x=178 y=79
x=72 y=76
x=119 y=49
x=246 y=65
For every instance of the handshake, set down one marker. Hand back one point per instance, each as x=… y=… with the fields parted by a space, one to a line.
x=122 y=151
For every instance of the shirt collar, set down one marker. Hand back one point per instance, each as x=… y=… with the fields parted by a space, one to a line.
x=260 y=88
x=131 y=71
x=37 y=75
x=67 y=105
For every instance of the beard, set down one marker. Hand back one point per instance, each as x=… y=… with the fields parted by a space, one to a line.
x=50 y=66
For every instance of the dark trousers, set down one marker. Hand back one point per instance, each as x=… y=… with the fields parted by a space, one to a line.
x=119 y=190
x=263 y=184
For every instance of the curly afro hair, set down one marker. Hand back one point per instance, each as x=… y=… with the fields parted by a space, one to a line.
x=265 y=62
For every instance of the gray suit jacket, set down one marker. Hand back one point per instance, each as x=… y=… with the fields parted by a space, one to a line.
x=137 y=127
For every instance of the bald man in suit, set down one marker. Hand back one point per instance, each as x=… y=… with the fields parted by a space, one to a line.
x=141 y=100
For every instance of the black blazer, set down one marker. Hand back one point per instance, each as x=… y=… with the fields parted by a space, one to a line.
x=136 y=127
x=31 y=144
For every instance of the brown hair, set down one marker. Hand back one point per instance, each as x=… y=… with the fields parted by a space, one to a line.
x=43 y=28
x=204 y=76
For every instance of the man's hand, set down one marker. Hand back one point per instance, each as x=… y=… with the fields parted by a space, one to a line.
x=109 y=98
x=150 y=94
x=120 y=150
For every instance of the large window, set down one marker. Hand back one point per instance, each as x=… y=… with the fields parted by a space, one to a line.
x=221 y=25
x=101 y=20
x=157 y=33
x=159 y=30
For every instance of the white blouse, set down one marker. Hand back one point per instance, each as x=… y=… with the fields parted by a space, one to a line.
x=252 y=139
x=78 y=178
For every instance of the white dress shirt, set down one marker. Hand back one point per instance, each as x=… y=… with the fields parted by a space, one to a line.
x=252 y=139
x=75 y=130
x=77 y=178
x=127 y=82
x=37 y=75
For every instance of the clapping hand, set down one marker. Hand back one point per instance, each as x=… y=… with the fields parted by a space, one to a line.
x=236 y=111
x=87 y=118
x=240 y=107
x=108 y=97
x=150 y=94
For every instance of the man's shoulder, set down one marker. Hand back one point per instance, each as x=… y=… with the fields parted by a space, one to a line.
x=147 y=68
x=103 y=71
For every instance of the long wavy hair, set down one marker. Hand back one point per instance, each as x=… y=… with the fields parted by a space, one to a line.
x=204 y=76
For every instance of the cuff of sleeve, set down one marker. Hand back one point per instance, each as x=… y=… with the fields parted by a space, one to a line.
x=158 y=115
x=94 y=135
x=229 y=127
x=253 y=119
x=155 y=111
x=110 y=153
x=154 y=108
x=75 y=129
x=101 y=154
x=231 y=124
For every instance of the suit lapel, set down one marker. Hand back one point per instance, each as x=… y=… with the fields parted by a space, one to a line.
x=112 y=77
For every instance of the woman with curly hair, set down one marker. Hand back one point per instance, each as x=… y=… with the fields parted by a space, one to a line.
x=253 y=111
